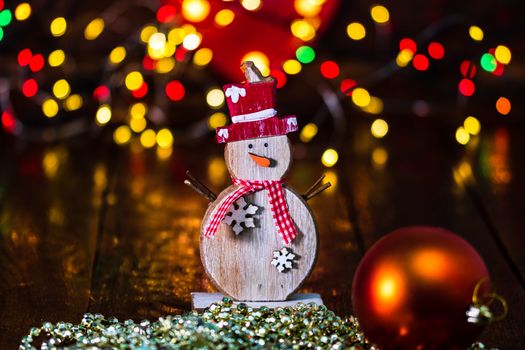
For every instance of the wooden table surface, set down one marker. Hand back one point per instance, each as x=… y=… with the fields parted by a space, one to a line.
x=87 y=226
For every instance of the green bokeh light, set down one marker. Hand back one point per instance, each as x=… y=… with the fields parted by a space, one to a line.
x=305 y=54
x=488 y=62
x=5 y=17
x=1 y=34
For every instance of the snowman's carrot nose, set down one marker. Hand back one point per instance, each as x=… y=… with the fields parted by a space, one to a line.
x=260 y=160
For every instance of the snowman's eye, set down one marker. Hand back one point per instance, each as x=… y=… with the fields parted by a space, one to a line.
x=250 y=146
x=266 y=144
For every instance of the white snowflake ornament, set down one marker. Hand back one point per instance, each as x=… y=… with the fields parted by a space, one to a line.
x=241 y=215
x=283 y=259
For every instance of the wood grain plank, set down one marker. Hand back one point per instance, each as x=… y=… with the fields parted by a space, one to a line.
x=51 y=197
x=417 y=187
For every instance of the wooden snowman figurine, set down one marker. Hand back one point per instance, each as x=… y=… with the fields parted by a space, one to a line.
x=258 y=237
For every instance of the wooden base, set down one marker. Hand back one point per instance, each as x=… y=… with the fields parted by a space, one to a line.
x=200 y=301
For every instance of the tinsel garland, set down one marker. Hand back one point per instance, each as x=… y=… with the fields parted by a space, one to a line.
x=221 y=326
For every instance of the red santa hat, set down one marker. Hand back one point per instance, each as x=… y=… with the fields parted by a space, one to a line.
x=252 y=109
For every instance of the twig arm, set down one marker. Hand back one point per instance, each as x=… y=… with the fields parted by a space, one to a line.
x=199 y=187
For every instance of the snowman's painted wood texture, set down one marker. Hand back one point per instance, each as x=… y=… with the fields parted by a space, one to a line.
x=200 y=301
x=240 y=266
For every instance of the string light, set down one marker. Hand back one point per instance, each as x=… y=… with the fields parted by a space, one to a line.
x=36 y=63
x=73 y=103
x=147 y=32
x=117 y=55
x=379 y=156
x=404 y=57
x=22 y=11
x=279 y=76
x=50 y=108
x=305 y=54
x=141 y=91
x=420 y=62
x=224 y=17
x=138 y=124
x=380 y=14
x=462 y=136
x=94 y=29
x=308 y=132
x=468 y=69
x=61 y=89
x=138 y=110
x=251 y=5
x=375 y=106
x=436 y=50
x=191 y=41
x=259 y=59
x=329 y=157
x=307 y=8
x=488 y=62
x=476 y=33
x=175 y=90
x=24 y=57
x=30 y=88
x=347 y=86
x=195 y=10
x=202 y=57
x=503 y=105
x=56 y=58
x=302 y=29
x=166 y=13
x=408 y=44
x=329 y=69
x=165 y=65
x=217 y=120
x=122 y=135
x=148 y=138
x=164 y=138
x=503 y=54
x=58 y=26
x=103 y=115
x=5 y=17
x=472 y=125
x=356 y=31
x=466 y=87
x=133 y=80
x=292 y=67
x=215 y=98
x=379 y=128
x=360 y=97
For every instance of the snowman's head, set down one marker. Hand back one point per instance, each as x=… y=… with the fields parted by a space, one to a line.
x=263 y=158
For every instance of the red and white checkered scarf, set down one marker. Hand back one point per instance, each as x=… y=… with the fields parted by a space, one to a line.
x=278 y=205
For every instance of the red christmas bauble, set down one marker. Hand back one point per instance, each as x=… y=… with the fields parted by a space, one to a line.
x=412 y=288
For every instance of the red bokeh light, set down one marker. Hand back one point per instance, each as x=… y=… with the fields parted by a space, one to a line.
x=37 y=63
x=466 y=87
x=180 y=53
x=347 y=86
x=175 y=90
x=29 y=88
x=407 y=44
x=8 y=122
x=148 y=63
x=499 y=70
x=468 y=69
x=420 y=62
x=24 y=57
x=436 y=50
x=280 y=77
x=329 y=69
x=141 y=91
x=101 y=93
x=166 y=13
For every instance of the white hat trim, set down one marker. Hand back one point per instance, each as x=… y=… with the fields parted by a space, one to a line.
x=251 y=117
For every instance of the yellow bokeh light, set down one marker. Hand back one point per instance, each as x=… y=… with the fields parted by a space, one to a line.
x=50 y=108
x=103 y=115
x=259 y=59
x=164 y=153
x=380 y=14
x=23 y=11
x=375 y=106
x=472 y=125
x=217 y=120
x=138 y=110
x=360 y=97
x=164 y=138
x=503 y=54
x=292 y=67
x=379 y=156
x=195 y=10
x=117 y=55
x=73 y=102
x=307 y=8
x=356 y=31
x=476 y=33
x=176 y=36
x=251 y=5
x=308 y=132
x=404 y=57
x=165 y=65
x=329 y=157
x=462 y=136
x=157 y=41
x=202 y=57
x=61 y=89
x=148 y=138
x=224 y=17
x=147 y=32
x=58 y=26
x=379 y=128
x=134 y=80
x=138 y=124
x=94 y=29
x=122 y=135
x=215 y=98
x=217 y=171
x=56 y=58
x=303 y=29
x=191 y=41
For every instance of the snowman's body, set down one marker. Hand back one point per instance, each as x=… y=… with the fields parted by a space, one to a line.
x=240 y=265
